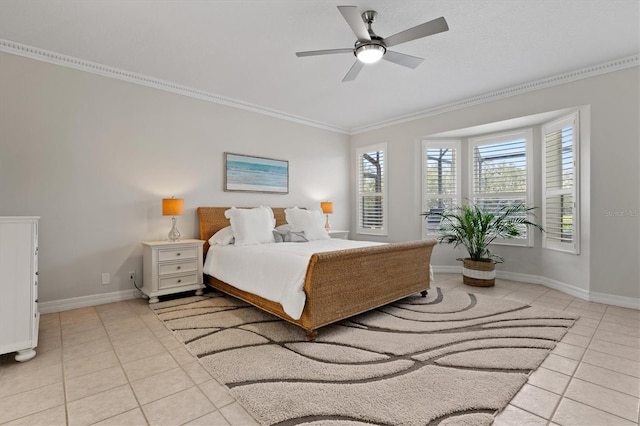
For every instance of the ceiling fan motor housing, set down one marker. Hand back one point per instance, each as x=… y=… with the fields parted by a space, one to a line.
x=374 y=49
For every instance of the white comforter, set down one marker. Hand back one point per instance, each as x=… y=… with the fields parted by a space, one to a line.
x=273 y=271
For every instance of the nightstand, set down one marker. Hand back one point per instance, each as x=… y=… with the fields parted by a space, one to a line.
x=335 y=233
x=171 y=267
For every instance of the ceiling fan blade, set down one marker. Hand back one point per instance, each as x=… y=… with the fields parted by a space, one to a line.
x=324 y=52
x=402 y=59
x=353 y=18
x=423 y=30
x=353 y=72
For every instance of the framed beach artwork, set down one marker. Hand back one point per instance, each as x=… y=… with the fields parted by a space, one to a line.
x=255 y=174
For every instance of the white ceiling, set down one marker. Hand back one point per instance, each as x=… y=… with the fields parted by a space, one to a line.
x=244 y=50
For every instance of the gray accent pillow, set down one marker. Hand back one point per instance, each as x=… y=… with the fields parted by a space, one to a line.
x=281 y=236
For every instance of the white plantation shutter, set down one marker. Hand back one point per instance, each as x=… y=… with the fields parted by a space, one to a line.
x=372 y=190
x=501 y=174
x=559 y=176
x=441 y=181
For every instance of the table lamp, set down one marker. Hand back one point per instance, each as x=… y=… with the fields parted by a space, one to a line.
x=327 y=209
x=173 y=207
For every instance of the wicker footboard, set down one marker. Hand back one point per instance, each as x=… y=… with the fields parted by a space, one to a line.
x=344 y=283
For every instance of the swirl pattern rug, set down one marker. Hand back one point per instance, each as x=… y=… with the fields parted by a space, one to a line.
x=450 y=358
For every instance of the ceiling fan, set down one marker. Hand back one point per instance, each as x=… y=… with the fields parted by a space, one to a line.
x=370 y=48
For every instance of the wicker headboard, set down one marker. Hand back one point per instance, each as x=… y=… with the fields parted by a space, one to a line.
x=212 y=220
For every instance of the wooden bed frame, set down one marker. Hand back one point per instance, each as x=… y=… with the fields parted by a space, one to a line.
x=338 y=284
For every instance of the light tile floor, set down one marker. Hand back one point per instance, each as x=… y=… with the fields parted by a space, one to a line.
x=117 y=364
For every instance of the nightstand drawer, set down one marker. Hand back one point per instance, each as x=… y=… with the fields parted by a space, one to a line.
x=177 y=267
x=178 y=281
x=177 y=254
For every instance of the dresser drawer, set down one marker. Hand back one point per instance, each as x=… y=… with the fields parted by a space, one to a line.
x=177 y=254
x=177 y=267
x=179 y=281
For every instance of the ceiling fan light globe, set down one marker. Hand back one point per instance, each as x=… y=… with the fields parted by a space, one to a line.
x=370 y=53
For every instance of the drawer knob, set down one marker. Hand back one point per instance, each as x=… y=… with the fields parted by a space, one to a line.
x=177 y=254
x=179 y=267
x=179 y=281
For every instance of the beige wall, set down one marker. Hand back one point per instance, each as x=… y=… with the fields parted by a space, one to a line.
x=94 y=156
x=608 y=265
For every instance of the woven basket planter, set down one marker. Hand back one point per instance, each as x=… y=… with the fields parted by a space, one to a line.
x=478 y=273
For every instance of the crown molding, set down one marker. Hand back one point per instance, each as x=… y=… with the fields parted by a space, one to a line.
x=145 y=80
x=555 y=80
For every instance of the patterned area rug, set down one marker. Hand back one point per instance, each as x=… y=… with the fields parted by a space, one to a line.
x=450 y=358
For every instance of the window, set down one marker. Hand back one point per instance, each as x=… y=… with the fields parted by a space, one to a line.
x=372 y=190
x=560 y=185
x=501 y=175
x=441 y=182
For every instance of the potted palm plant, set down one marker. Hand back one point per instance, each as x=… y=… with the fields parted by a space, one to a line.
x=475 y=228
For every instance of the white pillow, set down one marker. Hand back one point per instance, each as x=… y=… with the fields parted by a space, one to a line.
x=223 y=237
x=287 y=227
x=309 y=221
x=251 y=226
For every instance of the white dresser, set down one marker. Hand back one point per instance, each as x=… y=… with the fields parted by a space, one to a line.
x=171 y=267
x=19 y=316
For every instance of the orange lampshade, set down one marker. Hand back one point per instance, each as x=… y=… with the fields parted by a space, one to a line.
x=327 y=207
x=172 y=206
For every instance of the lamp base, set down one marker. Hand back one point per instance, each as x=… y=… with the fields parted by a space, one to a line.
x=326 y=224
x=174 y=234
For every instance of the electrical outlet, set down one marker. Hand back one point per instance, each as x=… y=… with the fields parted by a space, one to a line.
x=132 y=275
x=106 y=278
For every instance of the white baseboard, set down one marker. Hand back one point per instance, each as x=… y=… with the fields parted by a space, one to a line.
x=591 y=296
x=612 y=299
x=522 y=278
x=566 y=288
x=84 y=301
x=443 y=269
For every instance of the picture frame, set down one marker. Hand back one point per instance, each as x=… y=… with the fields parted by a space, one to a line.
x=245 y=173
